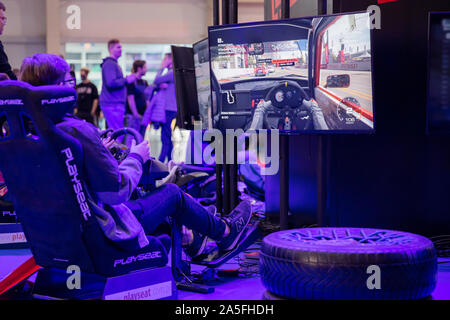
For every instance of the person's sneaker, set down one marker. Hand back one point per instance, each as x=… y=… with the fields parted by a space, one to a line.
x=237 y=221
x=198 y=244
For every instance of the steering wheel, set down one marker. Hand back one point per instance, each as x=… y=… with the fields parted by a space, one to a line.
x=124 y=131
x=151 y=171
x=287 y=105
x=120 y=150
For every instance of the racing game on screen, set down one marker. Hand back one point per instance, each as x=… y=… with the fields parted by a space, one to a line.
x=297 y=75
x=439 y=74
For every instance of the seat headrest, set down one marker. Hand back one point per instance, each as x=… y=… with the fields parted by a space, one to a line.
x=55 y=101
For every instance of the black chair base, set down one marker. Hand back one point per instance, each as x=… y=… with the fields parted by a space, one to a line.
x=147 y=284
x=211 y=259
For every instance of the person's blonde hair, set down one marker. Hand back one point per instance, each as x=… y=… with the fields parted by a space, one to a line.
x=43 y=69
x=86 y=70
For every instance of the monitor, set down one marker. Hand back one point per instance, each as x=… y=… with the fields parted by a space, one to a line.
x=201 y=61
x=438 y=102
x=185 y=87
x=304 y=75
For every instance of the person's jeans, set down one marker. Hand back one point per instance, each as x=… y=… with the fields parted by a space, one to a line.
x=170 y=201
x=134 y=123
x=166 y=137
x=114 y=115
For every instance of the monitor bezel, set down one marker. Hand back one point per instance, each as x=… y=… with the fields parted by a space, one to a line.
x=309 y=132
x=428 y=131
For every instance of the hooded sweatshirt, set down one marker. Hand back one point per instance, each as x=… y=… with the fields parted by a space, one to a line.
x=168 y=95
x=114 y=91
x=110 y=185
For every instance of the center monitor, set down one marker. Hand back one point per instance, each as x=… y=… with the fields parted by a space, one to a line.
x=298 y=75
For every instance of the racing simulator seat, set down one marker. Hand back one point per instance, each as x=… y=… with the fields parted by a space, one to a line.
x=43 y=169
x=56 y=218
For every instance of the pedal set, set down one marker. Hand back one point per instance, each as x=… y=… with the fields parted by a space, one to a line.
x=212 y=259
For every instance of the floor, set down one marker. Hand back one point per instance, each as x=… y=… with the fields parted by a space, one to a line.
x=248 y=288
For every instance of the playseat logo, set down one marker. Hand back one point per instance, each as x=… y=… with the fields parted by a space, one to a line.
x=9 y=213
x=77 y=187
x=58 y=100
x=11 y=102
x=140 y=257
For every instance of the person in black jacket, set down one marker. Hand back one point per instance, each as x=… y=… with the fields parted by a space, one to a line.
x=4 y=64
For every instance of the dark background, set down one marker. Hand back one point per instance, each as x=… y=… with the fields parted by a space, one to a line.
x=398 y=178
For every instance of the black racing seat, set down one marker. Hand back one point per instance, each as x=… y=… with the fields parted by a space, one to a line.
x=43 y=169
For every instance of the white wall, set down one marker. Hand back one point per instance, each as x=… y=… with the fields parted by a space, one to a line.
x=137 y=21
x=132 y=21
x=25 y=18
x=25 y=30
x=148 y=21
x=18 y=51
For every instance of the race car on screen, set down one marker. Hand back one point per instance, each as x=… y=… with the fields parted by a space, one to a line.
x=311 y=74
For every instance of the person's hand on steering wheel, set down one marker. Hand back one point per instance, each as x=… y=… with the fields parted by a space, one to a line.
x=264 y=104
x=316 y=113
x=142 y=149
x=108 y=142
x=259 y=115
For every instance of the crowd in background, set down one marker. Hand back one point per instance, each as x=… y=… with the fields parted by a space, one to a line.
x=130 y=101
x=124 y=101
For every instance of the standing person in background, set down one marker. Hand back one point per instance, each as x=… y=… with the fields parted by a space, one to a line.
x=5 y=67
x=87 y=102
x=164 y=80
x=73 y=83
x=113 y=97
x=136 y=100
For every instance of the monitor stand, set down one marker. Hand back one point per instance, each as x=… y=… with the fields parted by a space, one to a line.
x=322 y=173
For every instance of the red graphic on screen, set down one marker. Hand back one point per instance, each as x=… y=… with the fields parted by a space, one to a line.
x=386 y=1
x=276 y=8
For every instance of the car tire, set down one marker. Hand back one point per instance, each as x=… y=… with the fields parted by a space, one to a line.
x=333 y=264
x=267 y=295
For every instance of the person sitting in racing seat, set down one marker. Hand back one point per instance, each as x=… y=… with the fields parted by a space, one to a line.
x=315 y=111
x=111 y=184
